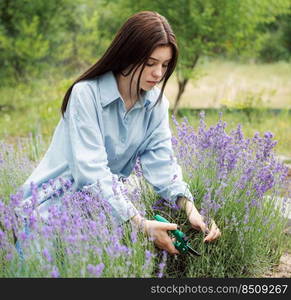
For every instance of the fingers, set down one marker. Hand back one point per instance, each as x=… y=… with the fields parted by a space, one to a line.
x=213 y=234
x=167 y=244
x=197 y=222
x=153 y=226
x=169 y=247
x=167 y=226
x=204 y=228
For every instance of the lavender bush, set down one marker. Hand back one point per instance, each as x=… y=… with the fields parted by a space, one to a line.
x=14 y=165
x=237 y=182
x=77 y=239
x=234 y=180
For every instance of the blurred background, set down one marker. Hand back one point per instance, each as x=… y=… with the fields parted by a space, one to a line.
x=235 y=58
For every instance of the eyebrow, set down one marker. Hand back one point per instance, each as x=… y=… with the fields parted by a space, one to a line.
x=158 y=60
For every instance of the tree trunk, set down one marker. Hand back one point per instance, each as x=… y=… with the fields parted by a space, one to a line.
x=181 y=89
x=182 y=85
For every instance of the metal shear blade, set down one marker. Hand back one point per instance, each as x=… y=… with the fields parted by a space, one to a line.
x=192 y=251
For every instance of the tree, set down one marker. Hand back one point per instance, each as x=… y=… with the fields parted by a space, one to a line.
x=38 y=34
x=209 y=27
x=28 y=34
x=276 y=43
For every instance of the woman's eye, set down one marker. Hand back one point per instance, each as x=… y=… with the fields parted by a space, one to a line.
x=150 y=65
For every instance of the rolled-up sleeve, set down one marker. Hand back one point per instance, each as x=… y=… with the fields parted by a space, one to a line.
x=159 y=164
x=88 y=160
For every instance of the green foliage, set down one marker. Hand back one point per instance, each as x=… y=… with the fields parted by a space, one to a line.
x=212 y=27
x=80 y=41
x=273 y=50
x=250 y=103
x=37 y=34
x=27 y=34
x=244 y=249
x=276 y=43
x=72 y=35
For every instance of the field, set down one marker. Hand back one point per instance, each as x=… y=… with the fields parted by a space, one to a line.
x=231 y=171
x=220 y=80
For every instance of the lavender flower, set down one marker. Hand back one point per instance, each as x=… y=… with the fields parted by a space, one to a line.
x=47 y=255
x=96 y=270
x=55 y=272
x=162 y=265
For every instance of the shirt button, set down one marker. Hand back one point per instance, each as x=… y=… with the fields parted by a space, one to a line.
x=122 y=140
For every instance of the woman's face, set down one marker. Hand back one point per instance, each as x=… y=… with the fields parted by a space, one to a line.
x=155 y=68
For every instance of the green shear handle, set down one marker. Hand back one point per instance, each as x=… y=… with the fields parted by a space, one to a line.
x=181 y=244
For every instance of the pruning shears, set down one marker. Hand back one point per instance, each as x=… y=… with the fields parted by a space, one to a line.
x=182 y=242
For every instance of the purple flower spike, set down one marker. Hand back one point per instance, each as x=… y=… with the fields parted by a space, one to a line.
x=96 y=270
x=55 y=272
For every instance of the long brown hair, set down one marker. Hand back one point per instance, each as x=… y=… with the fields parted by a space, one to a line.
x=131 y=47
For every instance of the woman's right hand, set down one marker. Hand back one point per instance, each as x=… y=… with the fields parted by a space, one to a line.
x=158 y=231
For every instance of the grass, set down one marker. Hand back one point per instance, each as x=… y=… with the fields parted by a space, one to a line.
x=219 y=80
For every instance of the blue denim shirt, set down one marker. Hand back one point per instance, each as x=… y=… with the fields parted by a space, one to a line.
x=98 y=142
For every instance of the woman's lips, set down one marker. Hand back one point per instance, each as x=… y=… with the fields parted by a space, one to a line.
x=152 y=82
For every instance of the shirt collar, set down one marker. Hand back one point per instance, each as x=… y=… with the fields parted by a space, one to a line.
x=109 y=91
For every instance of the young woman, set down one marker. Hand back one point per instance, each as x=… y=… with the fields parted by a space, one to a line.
x=111 y=115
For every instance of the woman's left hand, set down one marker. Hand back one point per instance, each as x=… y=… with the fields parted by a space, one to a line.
x=197 y=221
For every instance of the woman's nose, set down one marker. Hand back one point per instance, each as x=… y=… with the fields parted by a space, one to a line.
x=158 y=71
